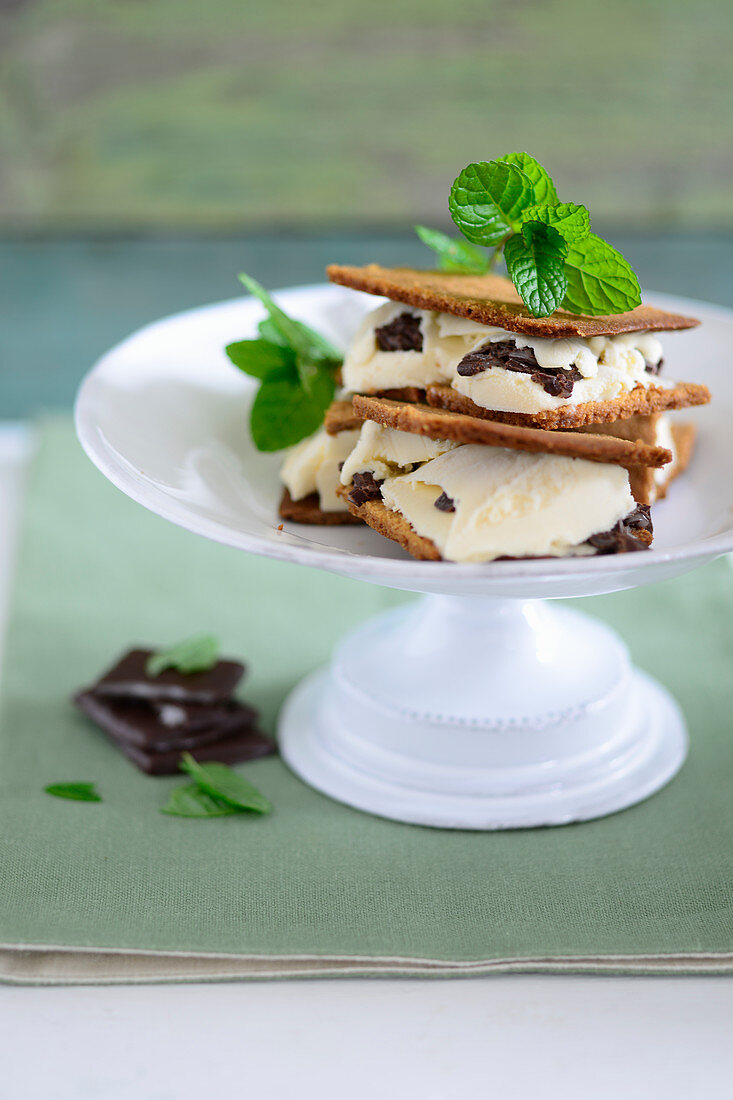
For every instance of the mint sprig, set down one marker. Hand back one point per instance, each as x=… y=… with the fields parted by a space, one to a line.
x=552 y=257
x=216 y=791
x=220 y=781
x=296 y=368
x=197 y=654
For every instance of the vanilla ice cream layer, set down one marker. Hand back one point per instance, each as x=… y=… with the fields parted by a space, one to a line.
x=313 y=466
x=367 y=369
x=610 y=365
x=510 y=503
x=385 y=452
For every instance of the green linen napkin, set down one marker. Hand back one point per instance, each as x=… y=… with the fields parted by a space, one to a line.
x=116 y=891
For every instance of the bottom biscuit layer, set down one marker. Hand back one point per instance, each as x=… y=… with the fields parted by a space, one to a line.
x=394 y=526
x=307 y=510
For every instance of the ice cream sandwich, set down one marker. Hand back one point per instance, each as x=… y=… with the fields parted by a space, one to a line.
x=447 y=486
x=470 y=345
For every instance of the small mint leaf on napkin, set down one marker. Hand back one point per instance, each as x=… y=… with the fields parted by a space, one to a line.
x=570 y=220
x=487 y=199
x=197 y=654
x=79 y=792
x=297 y=336
x=535 y=260
x=191 y=801
x=544 y=188
x=283 y=412
x=261 y=358
x=455 y=254
x=220 y=782
x=600 y=280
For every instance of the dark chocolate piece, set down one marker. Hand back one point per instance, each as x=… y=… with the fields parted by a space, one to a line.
x=444 y=503
x=364 y=488
x=250 y=745
x=129 y=680
x=504 y=353
x=131 y=725
x=137 y=722
x=623 y=538
x=193 y=718
x=653 y=368
x=402 y=334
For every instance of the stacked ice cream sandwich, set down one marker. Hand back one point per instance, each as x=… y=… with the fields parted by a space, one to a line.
x=478 y=432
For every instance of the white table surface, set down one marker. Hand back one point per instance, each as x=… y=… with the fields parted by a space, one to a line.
x=514 y=1037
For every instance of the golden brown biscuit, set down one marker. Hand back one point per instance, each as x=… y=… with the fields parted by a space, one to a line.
x=394 y=526
x=492 y=300
x=684 y=436
x=307 y=510
x=642 y=400
x=460 y=428
x=340 y=417
x=644 y=429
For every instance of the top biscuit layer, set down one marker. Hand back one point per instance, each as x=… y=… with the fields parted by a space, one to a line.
x=492 y=300
x=444 y=424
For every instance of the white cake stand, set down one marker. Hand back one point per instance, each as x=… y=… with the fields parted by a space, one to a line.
x=481 y=705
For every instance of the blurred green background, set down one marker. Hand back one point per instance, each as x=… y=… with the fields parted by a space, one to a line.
x=232 y=114
x=150 y=149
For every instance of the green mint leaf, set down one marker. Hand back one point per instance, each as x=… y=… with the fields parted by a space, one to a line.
x=535 y=260
x=544 y=188
x=221 y=782
x=308 y=373
x=261 y=358
x=191 y=801
x=270 y=332
x=600 y=280
x=487 y=199
x=572 y=222
x=283 y=412
x=193 y=655
x=302 y=339
x=456 y=254
x=79 y=792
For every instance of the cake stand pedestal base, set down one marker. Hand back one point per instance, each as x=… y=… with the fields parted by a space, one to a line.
x=468 y=713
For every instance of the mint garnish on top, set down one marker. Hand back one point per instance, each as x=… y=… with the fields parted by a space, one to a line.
x=552 y=257
x=297 y=371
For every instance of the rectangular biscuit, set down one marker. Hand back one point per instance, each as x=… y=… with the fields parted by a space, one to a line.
x=340 y=417
x=461 y=428
x=394 y=526
x=642 y=400
x=644 y=487
x=492 y=300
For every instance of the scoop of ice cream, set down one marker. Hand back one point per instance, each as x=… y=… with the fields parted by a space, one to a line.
x=509 y=503
x=313 y=466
